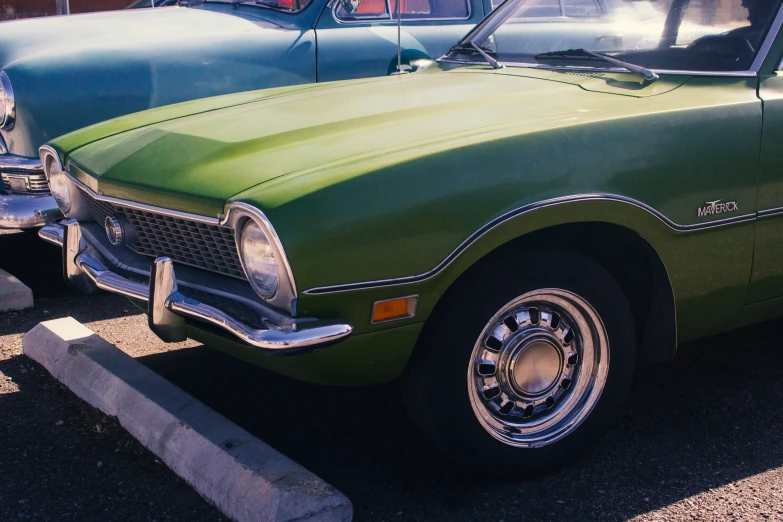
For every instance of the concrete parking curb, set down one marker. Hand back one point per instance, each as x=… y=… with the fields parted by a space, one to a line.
x=14 y=294
x=242 y=476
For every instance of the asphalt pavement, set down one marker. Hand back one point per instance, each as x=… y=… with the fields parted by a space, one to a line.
x=700 y=437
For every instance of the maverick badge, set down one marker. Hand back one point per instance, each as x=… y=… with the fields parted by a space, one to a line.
x=716 y=207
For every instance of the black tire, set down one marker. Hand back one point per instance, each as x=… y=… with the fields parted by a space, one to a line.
x=435 y=383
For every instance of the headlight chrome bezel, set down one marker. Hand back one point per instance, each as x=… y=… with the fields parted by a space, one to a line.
x=76 y=206
x=8 y=112
x=238 y=216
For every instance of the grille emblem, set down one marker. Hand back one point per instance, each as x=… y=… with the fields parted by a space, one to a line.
x=113 y=230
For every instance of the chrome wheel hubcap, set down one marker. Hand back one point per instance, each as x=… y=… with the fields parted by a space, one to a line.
x=535 y=367
x=538 y=368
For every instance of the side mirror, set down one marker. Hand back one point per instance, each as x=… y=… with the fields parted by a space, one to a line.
x=349 y=6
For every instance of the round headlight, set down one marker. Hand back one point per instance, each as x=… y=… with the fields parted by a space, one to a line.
x=58 y=184
x=3 y=105
x=258 y=258
x=7 y=106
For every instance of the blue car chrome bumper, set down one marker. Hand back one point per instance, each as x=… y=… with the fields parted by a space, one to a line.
x=29 y=204
x=23 y=211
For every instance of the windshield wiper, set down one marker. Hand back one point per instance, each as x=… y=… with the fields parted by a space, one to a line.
x=473 y=47
x=582 y=54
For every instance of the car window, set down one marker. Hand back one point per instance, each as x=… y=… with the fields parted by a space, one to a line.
x=555 y=8
x=536 y=8
x=580 y=8
x=356 y=10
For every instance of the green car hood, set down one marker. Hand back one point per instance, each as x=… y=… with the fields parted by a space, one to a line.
x=69 y=72
x=196 y=156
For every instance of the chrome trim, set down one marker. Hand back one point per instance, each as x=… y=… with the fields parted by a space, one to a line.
x=72 y=247
x=380 y=20
x=113 y=229
x=163 y=322
x=512 y=214
x=9 y=161
x=141 y=206
x=27 y=210
x=279 y=340
x=774 y=29
x=770 y=212
x=47 y=151
x=238 y=212
x=7 y=119
x=53 y=234
x=3 y=146
x=515 y=378
x=43 y=152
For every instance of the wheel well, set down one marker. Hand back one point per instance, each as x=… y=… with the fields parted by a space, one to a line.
x=631 y=260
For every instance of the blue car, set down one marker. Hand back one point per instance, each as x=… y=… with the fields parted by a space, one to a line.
x=59 y=74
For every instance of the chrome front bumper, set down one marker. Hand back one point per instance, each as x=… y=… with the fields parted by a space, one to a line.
x=168 y=308
x=20 y=210
x=23 y=211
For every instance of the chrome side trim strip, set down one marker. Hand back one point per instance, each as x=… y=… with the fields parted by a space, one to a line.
x=770 y=212
x=512 y=214
x=82 y=266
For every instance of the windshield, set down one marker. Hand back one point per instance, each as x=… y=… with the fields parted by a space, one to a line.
x=685 y=35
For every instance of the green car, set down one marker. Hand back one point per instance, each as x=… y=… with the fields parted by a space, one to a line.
x=507 y=231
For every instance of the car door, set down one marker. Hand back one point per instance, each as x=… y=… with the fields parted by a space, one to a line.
x=766 y=281
x=358 y=38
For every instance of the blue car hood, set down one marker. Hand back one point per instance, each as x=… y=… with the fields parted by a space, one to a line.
x=71 y=72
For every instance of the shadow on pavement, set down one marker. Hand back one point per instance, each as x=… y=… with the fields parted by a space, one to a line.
x=61 y=459
x=39 y=265
x=84 y=308
x=36 y=263
x=707 y=419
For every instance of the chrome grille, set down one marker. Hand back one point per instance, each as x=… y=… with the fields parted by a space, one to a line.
x=210 y=247
x=35 y=183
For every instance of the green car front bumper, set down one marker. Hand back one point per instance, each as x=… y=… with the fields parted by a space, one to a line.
x=85 y=267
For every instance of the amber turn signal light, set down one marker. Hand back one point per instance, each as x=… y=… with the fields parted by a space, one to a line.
x=392 y=309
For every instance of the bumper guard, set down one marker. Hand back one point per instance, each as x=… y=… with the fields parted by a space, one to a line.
x=168 y=308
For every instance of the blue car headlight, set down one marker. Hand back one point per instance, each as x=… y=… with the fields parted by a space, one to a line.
x=7 y=103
